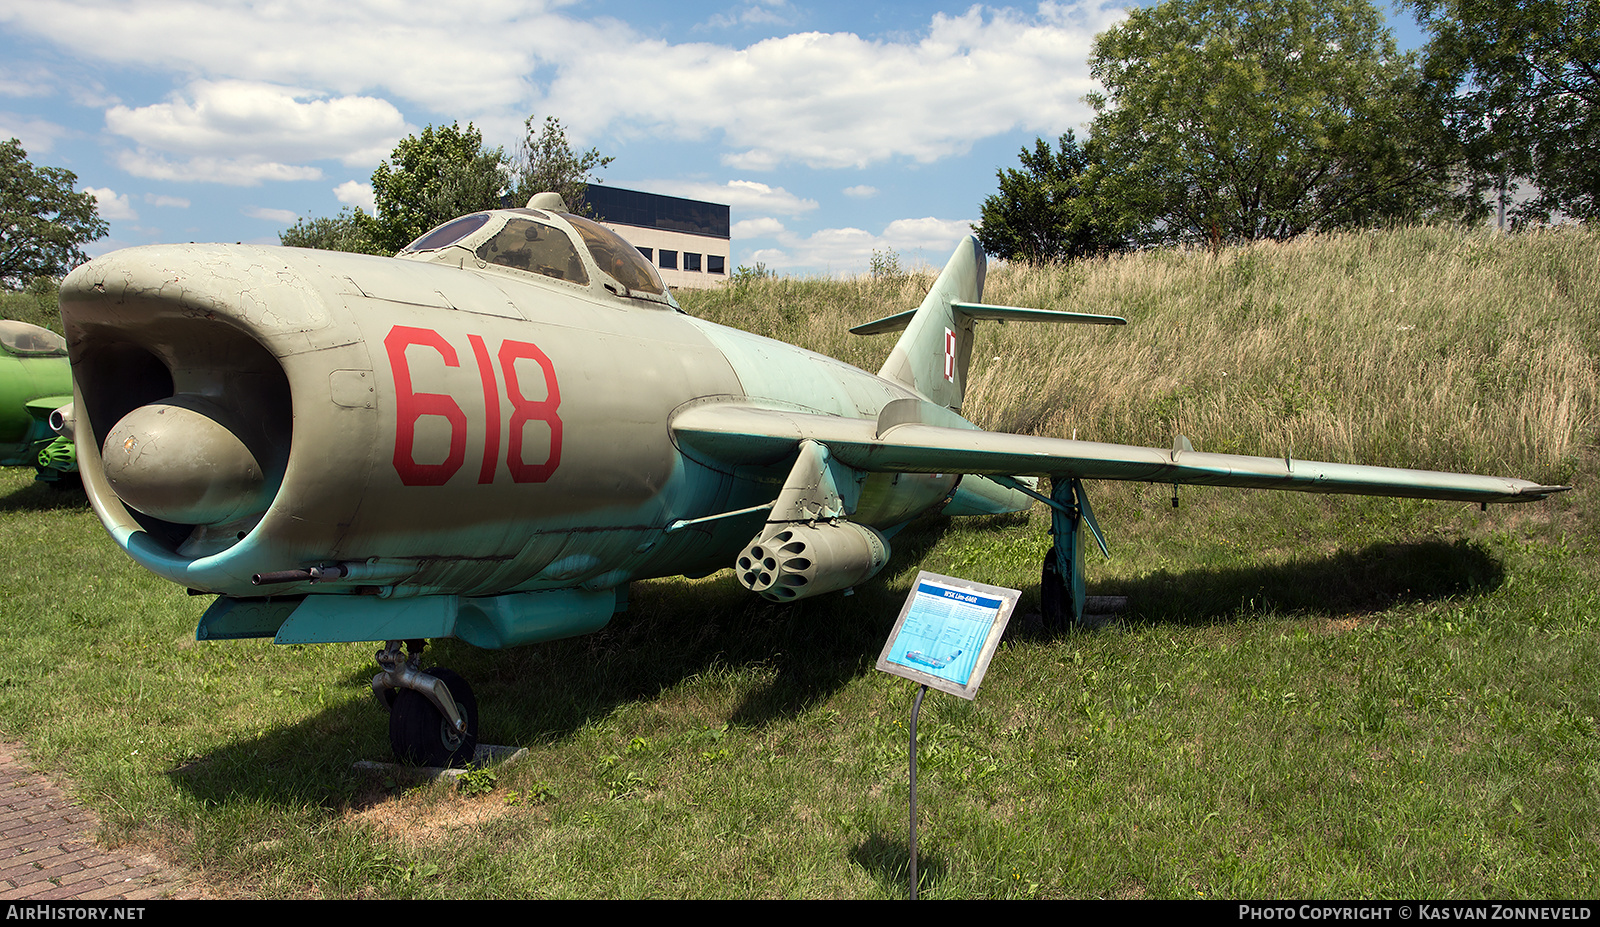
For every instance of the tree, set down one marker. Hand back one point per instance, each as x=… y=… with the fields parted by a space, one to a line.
x=432 y=178
x=1236 y=120
x=350 y=230
x=546 y=162
x=1526 y=80
x=44 y=223
x=1044 y=212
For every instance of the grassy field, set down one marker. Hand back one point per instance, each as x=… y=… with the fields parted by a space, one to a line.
x=1308 y=697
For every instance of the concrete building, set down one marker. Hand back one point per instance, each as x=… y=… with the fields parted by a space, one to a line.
x=687 y=240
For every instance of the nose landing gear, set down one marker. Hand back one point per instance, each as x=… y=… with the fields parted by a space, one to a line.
x=433 y=715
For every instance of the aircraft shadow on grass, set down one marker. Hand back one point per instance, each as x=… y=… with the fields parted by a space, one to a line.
x=42 y=497
x=802 y=652
x=1344 y=583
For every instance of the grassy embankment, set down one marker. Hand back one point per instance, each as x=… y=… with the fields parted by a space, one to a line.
x=1310 y=696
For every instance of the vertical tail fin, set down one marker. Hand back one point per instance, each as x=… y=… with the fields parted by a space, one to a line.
x=933 y=355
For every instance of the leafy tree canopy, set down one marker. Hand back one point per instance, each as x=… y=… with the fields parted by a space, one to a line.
x=1527 y=79
x=546 y=162
x=432 y=178
x=1043 y=212
x=447 y=172
x=1235 y=120
x=44 y=222
x=350 y=230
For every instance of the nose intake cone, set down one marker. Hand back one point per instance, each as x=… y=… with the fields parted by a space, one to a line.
x=181 y=460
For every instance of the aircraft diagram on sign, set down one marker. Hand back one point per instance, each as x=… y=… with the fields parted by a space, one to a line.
x=488 y=436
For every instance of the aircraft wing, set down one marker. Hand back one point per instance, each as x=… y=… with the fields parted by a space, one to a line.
x=918 y=437
x=42 y=407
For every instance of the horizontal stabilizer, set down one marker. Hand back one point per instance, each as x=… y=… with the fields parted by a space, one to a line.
x=987 y=313
x=733 y=434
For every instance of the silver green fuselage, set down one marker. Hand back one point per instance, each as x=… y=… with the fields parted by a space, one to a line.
x=451 y=430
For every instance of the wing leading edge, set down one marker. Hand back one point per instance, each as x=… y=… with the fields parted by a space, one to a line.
x=916 y=437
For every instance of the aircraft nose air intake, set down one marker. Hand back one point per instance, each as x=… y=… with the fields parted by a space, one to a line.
x=184 y=410
x=182 y=460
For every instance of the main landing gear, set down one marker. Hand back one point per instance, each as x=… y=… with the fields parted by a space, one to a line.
x=1061 y=585
x=433 y=715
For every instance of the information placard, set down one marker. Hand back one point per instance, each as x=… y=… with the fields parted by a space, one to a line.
x=947 y=633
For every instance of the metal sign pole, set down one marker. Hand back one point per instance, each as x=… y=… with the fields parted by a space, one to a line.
x=947 y=632
x=916 y=707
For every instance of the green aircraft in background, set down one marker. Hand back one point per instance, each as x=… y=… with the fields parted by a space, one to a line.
x=490 y=435
x=35 y=380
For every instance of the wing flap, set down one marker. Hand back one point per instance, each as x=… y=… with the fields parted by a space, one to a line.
x=738 y=434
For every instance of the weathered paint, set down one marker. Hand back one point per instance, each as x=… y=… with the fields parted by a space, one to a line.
x=461 y=448
x=34 y=379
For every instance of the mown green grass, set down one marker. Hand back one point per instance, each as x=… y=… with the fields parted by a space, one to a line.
x=1308 y=697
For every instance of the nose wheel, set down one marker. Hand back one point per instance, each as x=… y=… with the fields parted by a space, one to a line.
x=433 y=715
x=421 y=735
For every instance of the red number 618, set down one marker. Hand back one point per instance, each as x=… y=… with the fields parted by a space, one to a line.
x=411 y=405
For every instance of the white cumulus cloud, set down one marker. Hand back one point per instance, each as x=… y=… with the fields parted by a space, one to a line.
x=239 y=172
x=221 y=119
x=744 y=195
x=765 y=227
x=280 y=216
x=821 y=99
x=357 y=194
x=849 y=250
x=839 y=100
x=31 y=81
x=759 y=12
x=38 y=136
x=482 y=54
x=938 y=236
x=111 y=206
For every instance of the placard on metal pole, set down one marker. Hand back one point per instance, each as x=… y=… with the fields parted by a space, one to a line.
x=946 y=635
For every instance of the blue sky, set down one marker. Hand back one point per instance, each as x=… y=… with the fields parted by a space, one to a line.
x=832 y=129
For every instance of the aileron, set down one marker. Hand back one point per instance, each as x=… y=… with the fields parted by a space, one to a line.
x=740 y=434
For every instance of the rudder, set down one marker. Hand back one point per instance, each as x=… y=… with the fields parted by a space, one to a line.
x=933 y=354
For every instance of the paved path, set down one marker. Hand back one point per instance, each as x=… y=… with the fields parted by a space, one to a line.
x=48 y=850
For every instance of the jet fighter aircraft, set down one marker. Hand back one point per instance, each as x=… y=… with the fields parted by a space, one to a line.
x=35 y=380
x=490 y=435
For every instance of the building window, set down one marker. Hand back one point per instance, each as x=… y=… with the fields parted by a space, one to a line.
x=647 y=255
x=669 y=259
x=691 y=262
x=714 y=264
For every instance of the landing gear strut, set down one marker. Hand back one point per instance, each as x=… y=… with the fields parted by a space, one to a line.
x=433 y=715
x=1061 y=585
x=1055 y=596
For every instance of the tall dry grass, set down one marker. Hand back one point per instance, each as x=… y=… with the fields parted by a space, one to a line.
x=1416 y=347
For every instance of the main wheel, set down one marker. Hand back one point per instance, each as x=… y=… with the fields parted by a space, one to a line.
x=420 y=735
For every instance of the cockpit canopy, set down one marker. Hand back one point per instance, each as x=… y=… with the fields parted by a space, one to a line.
x=26 y=340
x=549 y=244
